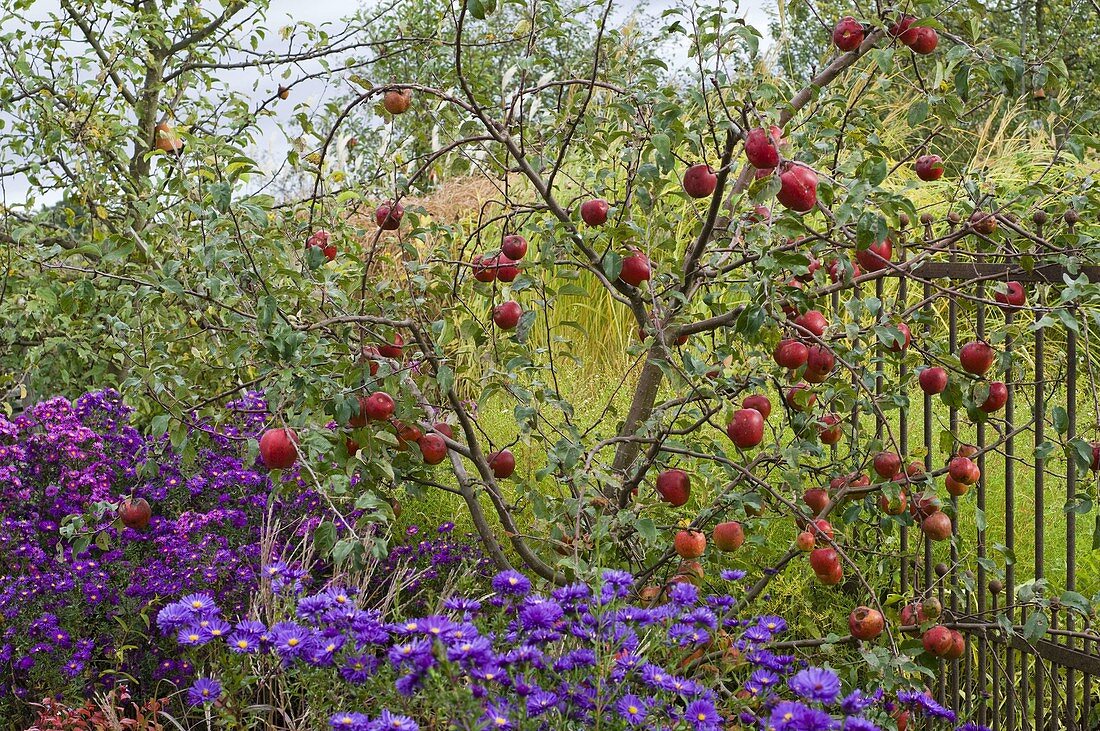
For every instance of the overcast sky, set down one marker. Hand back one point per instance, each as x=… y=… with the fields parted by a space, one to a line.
x=272 y=144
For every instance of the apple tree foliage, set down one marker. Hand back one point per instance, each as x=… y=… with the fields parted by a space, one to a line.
x=183 y=274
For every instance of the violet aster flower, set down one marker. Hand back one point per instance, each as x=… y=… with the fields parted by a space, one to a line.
x=816 y=684
x=349 y=722
x=855 y=723
x=511 y=583
x=731 y=574
x=631 y=709
x=204 y=690
x=702 y=715
x=388 y=721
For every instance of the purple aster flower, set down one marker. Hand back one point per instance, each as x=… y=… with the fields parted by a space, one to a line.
x=393 y=722
x=192 y=636
x=357 y=669
x=683 y=594
x=200 y=605
x=702 y=714
x=349 y=722
x=215 y=629
x=855 y=723
x=468 y=607
x=856 y=703
x=971 y=726
x=785 y=715
x=291 y=641
x=816 y=684
x=204 y=690
x=540 y=701
x=772 y=623
x=761 y=680
x=731 y=574
x=511 y=583
x=497 y=716
x=631 y=709
x=173 y=617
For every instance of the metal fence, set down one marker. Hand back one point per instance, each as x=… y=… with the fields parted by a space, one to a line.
x=1014 y=529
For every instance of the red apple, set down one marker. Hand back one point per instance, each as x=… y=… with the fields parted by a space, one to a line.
x=875 y=256
x=865 y=623
x=279 y=448
x=933 y=380
x=635 y=268
x=1012 y=297
x=514 y=247
x=394 y=348
x=924 y=40
x=378 y=406
x=700 y=181
x=406 y=433
x=135 y=514
x=830 y=430
x=506 y=315
x=1095 y=457
x=689 y=543
x=388 y=215
x=813 y=321
x=359 y=419
x=821 y=529
x=746 y=429
x=833 y=577
x=432 y=448
x=800 y=397
x=507 y=271
x=805 y=541
x=976 y=357
x=798 y=188
x=323 y=241
x=762 y=147
x=937 y=640
x=958 y=646
x=485 y=268
x=674 y=487
x=892 y=507
x=929 y=167
x=887 y=464
x=791 y=354
x=728 y=536
x=964 y=470
x=819 y=363
x=759 y=402
x=397 y=101
x=982 y=222
x=823 y=560
x=907 y=337
x=816 y=498
x=937 y=526
x=444 y=428
x=502 y=463
x=955 y=488
x=997 y=398
x=594 y=212
x=848 y=34
x=368 y=356
x=899 y=27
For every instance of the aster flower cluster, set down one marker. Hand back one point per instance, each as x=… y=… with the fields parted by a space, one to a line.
x=60 y=613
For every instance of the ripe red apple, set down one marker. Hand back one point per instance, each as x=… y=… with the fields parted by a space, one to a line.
x=369 y=356
x=976 y=357
x=762 y=147
x=933 y=380
x=791 y=354
x=830 y=431
x=924 y=40
x=887 y=464
x=929 y=167
x=700 y=181
x=432 y=448
x=514 y=247
x=892 y=507
x=1011 y=298
x=728 y=536
x=388 y=215
x=876 y=256
x=594 y=212
x=1095 y=457
x=824 y=560
x=759 y=402
x=997 y=398
x=674 y=487
x=800 y=397
x=805 y=541
x=394 y=348
x=819 y=363
x=135 y=514
x=507 y=271
x=689 y=543
x=798 y=188
x=848 y=34
x=982 y=222
x=907 y=337
x=816 y=498
x=166 y=140
x=813 y=321
x=911 y=616
x=444 y=428
x=833 y=577
x=485 y=268
x=502 y=463
x=839 y=271
x=821 y=529
x=635 y=268
x=958 y=646
x=923 y=505
x=351 y=446
x=506 y=315
x=378 y=406
x=406 y=433
x=915 y=470
x=746 y=429
x=865 y=623
x=955 y=488
x=964 y=470
x=397 y=101
x=937 y=640
x=359 y=420
x=278 y=448
x=937 y=526
x=323 y=241
x=900 y=26
x=759 y=214
x=966 y=450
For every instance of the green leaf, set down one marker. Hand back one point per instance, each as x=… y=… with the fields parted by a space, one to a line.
x=324 y=537
x=1036 y=626
x=612 y=265
x=918 y=112
x=445 y=377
